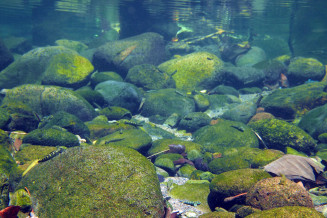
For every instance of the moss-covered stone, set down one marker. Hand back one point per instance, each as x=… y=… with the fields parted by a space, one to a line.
x=67 y=70
x=166 y=164
x=224 y=90
x=322 y=137
x=195 y=175
x=288 y=103
x=162 y=145
x=67 y=121
x=149 y=77
x=171 y=156
x=277 y=192
x=96 y=182
x=51 y=137
x=4 y=139
x=301 y=69
x=21 y=198
x=207 y=176
x=116 y=113
x=279 y=134
x=99 y=127
x=71 y=44
x=165 y=102
x=186 y=171
x=315 y=121
x=132 y=138
x=30 y=67
x=250 y=90
x=191 y=71
x=201 y=102
x=23 y=117
x=241 y=113
x=4 y=117
x=193 y=121
x=191 y=191
x=45 y=100
x=288 y=211
x=99 y=77
x=220 y=165
x=225 y=135
x=234 y=182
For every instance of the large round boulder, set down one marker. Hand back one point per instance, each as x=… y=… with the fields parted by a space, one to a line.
x=225 y=135
x=47 y=100
x=120 y=94
x=5 y=56
x=277 y=192
x=279 y=134
x=67 y=70
x=30 y=67
x=252 y=57
x=107 y=181
x=194 y=71
x=121 y=55
x=165 y=102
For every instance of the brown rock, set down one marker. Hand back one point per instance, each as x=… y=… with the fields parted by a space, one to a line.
x=277 y=192
x=261 y=116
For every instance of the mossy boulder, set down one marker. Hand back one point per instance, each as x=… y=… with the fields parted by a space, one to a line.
x=116 y=113
x=201 y=102
x=51 y=137
x=232 y=183
x=224 y=90
x=323 y=137
x=292 y=102
x=272 y=70
x=277 y=192
x=278 y=134
x=162 y=145
x=31 y=66
x=5 y=56
x=22 y=116
x=99 y=127
x=193 y=71
x=166 y=164
x=122 y=55
x=242 y=158
x=4 y=118
x=193 y=121
x=225 y=135
x=99 y=77
x=302 y=69
x=67 y=70
x=120 y=94
x=132 y=138
x=67 y=121
x=241 y=112
x=186 y=171
x=220 y=214
x=218 y=101
x=165 y=102
x=46 y=100
x=149 y=77
x=193 y=190
x=252 y=57
x=287 y=211
x=98 y=181
x=71 y=44
x=315 y=121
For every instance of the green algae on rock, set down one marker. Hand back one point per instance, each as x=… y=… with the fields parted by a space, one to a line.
x=191 y=71
x=193 y=121
x=149 y=77
x=295 y=101
x=116 y=113
x=67 y=70
x=196 y=191
x=99 y=77
x=225 y=135
x=288 y=211
x=51 y=137
x=220 y=214
x=4 y=117
x=101 y=181
x=71 y=44
x=277 y=192
x=132 y=138
x=279 y=134
x=46 y=100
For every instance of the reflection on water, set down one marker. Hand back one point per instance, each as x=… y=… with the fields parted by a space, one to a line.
x=47 y=20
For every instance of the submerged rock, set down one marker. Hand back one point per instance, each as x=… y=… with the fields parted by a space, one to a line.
x=252 y=57
x=287 y=211
x=277 y=192
x=108 y=181
x=193 y=71
x=122 y=55
x=278 y=134
x=6 y=57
